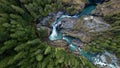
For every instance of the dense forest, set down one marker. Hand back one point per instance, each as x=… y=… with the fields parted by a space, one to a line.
x=21 y=45
x=110 y=40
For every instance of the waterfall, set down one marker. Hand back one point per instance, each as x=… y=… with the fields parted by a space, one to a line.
x=95 y=58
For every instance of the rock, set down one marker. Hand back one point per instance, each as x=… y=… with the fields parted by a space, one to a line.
x=72 y=27
x=79 y=28
x=77 y=42
x=107 y=7
x=95 y=24
x=58 y=43
x=106 y=60
x=84 y=37
x=47 y=21
x=67 y=23
x=46 y=25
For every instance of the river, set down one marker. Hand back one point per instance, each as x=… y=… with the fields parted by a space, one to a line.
x=95 y=58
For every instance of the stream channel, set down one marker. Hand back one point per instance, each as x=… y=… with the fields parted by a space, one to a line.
x=95 y=58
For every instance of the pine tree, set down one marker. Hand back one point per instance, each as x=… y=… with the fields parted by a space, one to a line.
x=19 y=45
x=111 y=38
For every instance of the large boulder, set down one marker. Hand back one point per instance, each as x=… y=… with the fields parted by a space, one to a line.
x=83 y=28
x=95 y=24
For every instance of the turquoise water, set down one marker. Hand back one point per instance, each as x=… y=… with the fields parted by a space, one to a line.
x=57 y=34
x=87 y=10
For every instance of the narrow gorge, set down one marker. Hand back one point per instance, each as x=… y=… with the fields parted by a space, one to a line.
x=74 y=31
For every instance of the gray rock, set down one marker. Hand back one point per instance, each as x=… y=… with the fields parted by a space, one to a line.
x=84 y=37
x=58 y=43
x=80 y=28
x=67 y=23
x=95 y=24
x=107 y=8
x=77 y=42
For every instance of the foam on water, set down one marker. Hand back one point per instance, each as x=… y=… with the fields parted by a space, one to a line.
x=95 y=58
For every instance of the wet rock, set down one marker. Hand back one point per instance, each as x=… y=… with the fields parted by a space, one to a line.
x=47 y=21
x=46 y=26
x=84 y=37
x=77 y=42
x=106 y=60
x=56 y=43
x=44 y=21
x=72 y=27
x=80 y=28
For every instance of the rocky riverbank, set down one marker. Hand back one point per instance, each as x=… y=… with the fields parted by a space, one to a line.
x=75 y=30
x=107 y=8
x=83 y=28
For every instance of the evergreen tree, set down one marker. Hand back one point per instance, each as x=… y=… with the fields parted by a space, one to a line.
x=19 y=45
x=110 y=40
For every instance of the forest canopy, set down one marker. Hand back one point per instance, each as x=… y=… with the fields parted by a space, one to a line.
x=20 y=46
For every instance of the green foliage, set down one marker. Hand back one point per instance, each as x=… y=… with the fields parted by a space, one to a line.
x=39 y=57
x=47 y=50
x=114 y=20
x=19 y=45
x=111 y=44
x=110 y=40
x=18 y=9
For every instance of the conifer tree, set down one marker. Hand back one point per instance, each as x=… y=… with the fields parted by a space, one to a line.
x=21 y=48
x=19 y=45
